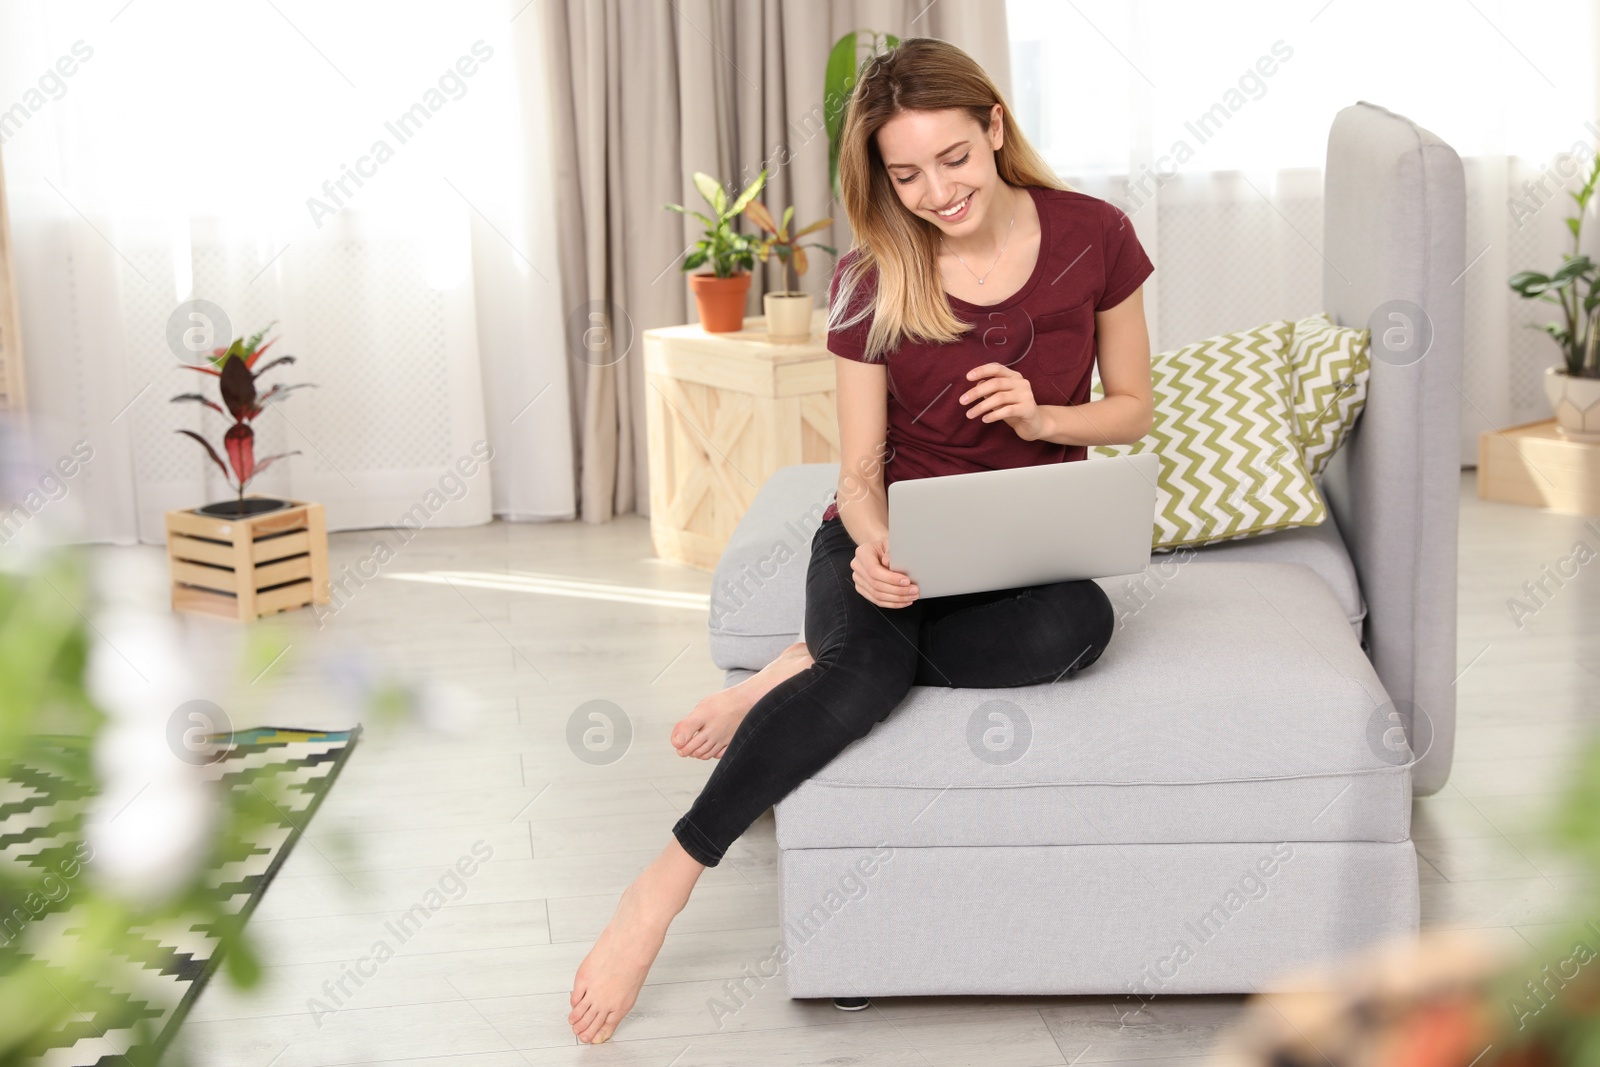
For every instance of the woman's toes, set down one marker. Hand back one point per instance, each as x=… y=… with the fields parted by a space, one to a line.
x=608 y=1028
x=591 y=1027
x=591 y=1016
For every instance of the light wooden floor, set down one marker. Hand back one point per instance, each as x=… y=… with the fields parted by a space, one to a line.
x=536 y=619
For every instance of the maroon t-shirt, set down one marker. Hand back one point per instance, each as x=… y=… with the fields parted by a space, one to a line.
x=1089 y=260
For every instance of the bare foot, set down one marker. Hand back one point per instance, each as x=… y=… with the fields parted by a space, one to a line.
x=610 y=976
x=705 y=732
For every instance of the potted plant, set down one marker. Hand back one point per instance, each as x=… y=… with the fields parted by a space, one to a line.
x=789 y=311
x=1574 y=389
x=235 y=369
x=1457 y=997
x=839 y=80
x=719 y=294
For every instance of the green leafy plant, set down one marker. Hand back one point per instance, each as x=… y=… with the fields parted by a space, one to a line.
x=66 y=926
x=1574 y=287
x=788 y=249
x=724 y=247
x=1561 y=1025
x=844 y=66
x=49 y=726
x=235 y=368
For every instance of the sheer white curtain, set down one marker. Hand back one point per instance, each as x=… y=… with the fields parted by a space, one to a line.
x=1208 y=123
x=372 y=177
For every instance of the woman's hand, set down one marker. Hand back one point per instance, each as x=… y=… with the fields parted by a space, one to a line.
x=1006 y=395
x=875 y=581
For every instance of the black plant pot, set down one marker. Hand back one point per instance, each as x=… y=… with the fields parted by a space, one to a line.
x=243 y=509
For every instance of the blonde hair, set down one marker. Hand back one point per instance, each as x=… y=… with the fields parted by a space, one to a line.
x=919 y=74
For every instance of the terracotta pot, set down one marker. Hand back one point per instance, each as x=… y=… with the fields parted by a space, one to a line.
x=1576 y=403
x=720 y=300
x=788 y=316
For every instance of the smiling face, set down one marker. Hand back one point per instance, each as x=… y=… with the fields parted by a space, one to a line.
x=939 y=160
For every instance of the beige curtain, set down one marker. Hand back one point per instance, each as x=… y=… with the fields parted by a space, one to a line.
x=646 y=93
x=13 y=397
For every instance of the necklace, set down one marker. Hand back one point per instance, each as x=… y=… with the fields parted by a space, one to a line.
x=996 y=262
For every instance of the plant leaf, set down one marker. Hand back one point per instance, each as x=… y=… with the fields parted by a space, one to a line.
x=223 y=467
x=207 y=401
x=749 y=194
x=1571 y=269
x=798 y=260
x=1529 y=282
x=241 y=444
x=255 y=353
x=761 y=216
x=242 y=963
x=276 y=393
x=820 y=224
x=238 y=386
x=255 y=339
x=703 y=218
x=837 y=85
x=267 y=462
x=274 y=363
x=709 y=189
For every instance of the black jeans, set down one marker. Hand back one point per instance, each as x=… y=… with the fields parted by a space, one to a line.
x=866 y=659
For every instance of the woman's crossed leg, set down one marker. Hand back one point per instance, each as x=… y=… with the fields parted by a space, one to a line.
x=863 y=660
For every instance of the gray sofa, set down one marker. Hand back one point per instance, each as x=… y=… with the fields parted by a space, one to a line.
x=1226 y=794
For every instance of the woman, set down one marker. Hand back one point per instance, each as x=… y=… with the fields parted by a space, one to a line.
x=966 y=321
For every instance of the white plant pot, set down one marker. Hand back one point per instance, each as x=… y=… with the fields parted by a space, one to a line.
x=1576 y=403
x=788 y=316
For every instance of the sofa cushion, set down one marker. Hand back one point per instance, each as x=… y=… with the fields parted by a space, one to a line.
x=758 y=589
x=1225 y=431
x=1232 y=706
x=1320 y=547
x=1331 y=366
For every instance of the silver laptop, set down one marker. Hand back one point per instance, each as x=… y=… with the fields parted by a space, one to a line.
x=1051 y=522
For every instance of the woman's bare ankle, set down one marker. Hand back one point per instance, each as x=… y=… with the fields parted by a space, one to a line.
x=669 y=879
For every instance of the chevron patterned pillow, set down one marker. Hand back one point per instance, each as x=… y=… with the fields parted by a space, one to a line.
x=1225 y=432
x=1331 y=365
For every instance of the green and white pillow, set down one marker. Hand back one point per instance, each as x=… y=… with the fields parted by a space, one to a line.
x=1226 y=435
x=1331 y=365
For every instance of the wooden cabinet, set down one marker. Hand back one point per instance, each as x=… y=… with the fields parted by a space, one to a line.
x=726 y=410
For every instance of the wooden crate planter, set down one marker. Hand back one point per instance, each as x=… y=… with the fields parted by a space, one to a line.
x=246 y=568
x=1534 y=464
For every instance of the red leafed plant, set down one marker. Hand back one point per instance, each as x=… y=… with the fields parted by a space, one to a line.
x=235 y=367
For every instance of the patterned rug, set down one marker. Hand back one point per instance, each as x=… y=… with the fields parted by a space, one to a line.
x=41 y=813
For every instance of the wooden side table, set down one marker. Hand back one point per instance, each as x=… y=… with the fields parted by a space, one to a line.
x=726 y=410
x=1534 y=464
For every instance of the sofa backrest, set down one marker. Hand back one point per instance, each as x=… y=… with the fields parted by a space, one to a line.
x=1394 y=222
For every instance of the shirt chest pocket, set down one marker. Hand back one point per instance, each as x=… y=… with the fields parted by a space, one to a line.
x=1062 y=353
